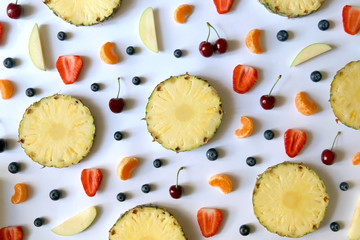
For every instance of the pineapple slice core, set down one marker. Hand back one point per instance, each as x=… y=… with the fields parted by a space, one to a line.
x=291 y=200
x=184 y=113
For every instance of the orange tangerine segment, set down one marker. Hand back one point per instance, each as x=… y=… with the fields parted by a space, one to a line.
x=126 y=167
x=304 y=105
x=222 y=182
x=252 y=41
x=355 y=160
x=21 y=193
x=6 y=89
x=107 y=53
x=182 y=12
x=246 y=127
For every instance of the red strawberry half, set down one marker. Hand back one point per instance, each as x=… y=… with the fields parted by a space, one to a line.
x=294 y=141
x=244 y=77
x=1 y=31
x=223 y=6
x=351 y=19
x=11 y=233
x=209 y=220
x=91 y=179
x=69 y=68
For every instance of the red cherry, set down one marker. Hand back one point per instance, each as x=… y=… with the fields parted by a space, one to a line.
x=116 y=105
x=267 y=102
x=176 y=190
x=221 y=45
x=206 y=49
x=328 y=156
x=14 y=10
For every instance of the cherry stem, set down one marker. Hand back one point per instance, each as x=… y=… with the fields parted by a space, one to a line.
x=213 y=28
x=118 y=93
x=338 y=133
x=177 y=176
x=274 y=85
x=207 y=39
x=16 y=2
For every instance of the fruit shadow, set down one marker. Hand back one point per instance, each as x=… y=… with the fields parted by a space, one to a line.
x=85 y=67
x=263 y=41
x=124 y=8
x=99 y=214
x=28 y=10
x=46 y=46
x=233 y=45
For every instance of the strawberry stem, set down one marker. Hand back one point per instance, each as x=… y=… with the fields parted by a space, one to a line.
x=118 y=93
x=274 y=85
x=338 y=133
x=213 y=28
x=177 y=176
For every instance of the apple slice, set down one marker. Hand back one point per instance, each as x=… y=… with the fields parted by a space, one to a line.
x=35 y=48
x=309 y=52
x=147 y=30
x=77 y=223
x=354 y=231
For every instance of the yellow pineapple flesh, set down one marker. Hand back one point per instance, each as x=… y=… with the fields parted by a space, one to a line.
x=292 y=8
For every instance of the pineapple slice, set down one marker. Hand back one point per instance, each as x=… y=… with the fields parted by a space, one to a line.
x=58 y=131
x=83 y=12
x=183 y=113
x=290 y=199
x=292 y=8
x=146 y=222
x=344 y=95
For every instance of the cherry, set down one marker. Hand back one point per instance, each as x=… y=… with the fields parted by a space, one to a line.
x=14 y=10
x=116 y=105
x=267 y=102
x=328 y=155
x=221 y=44
x=176 y=190
x=206 y=49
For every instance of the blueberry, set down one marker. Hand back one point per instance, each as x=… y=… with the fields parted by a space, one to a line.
x=244 y=230
x=55 y=194
x=282 y=35
x=130 y=50
x=9 y=62
x=30 y=92
x=121 y=197
x=334 y=226
x=145 y=188
x=136 y=80
x=2 y=145
x=269 y=134
x=212 y=154
x=157 y=163
x=118 y=135
x=14 y=167
x=344 y=186
x=38 y=222
x=61 y=36
x=177 y=53
x=323 y=25
x=315 y=76
x=95 y=87
x=251 y=161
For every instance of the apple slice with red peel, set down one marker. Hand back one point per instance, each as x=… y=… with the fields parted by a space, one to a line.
x=147 y=30
x=310 y=52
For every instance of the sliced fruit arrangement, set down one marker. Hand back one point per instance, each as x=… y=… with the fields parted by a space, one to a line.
x=294 y=141
x=35 y=48
x=126 y=167
x=183 y=113
x=69 y=67
x=21 y=193
x=246 y=127
x=107 y=53
x=355 y=160
x=268 y=101
x=91 y=179
x=147 y=30
x=328 y=156
x=76 y=224
x=252 y=41
x=290 y=9
x=344 y=94
x=6 y=89
x=290 y=199
x=351 y=19
x=209 y=220
x=182 y=13
x=57 y=131
x=310 y=52
x=83 y=12
x=222 y=182
x=304 y=105
x=354 y=231
x=223 y=6
x=244 y=77
x=147 y=222
x=11 y=233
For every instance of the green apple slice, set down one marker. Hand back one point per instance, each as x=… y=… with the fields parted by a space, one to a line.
x=354 y=231
x=77 y=223
x=35 y=48
x=309 y=52
x=147 y=30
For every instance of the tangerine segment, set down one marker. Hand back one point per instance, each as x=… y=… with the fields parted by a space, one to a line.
x=21 y=193
x=126 y=167
x=6 y=89
x=107 y=53
x=252 y=41
x=182 y=12
x=304 y=105
x=355 y=160
x=222 y=182
x=246 y=127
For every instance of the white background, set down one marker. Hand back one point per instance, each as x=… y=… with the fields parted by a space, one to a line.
x=106 y=153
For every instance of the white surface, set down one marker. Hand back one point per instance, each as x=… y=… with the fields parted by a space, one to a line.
x=153 y=68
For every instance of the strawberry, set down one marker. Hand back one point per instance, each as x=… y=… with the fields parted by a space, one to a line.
x=244 y=77
x=1 y=30
x=351 y=19
x=223 y=6
x=90 y=179
x=294 y=141
x=69 y=68
x=209 y=220
x=11 y=233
